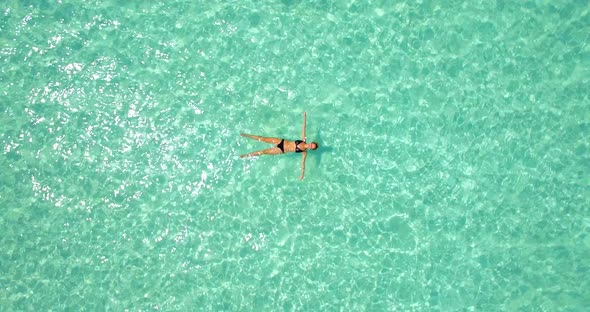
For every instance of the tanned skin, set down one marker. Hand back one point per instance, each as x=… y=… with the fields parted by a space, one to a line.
x=288 y=146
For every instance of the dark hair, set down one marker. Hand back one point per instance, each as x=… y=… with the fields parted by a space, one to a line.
x=316 y=145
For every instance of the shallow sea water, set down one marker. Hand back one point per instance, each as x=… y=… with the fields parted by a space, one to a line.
x=453 y=172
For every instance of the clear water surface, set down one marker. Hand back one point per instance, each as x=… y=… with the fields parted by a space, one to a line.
x=453 y=173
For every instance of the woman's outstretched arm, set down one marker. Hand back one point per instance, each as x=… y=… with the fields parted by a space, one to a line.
x=304 y=155
x=303 y=132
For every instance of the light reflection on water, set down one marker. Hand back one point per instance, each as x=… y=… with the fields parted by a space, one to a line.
x=449 y=137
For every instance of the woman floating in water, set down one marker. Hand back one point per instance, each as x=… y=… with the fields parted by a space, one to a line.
x=284 y=146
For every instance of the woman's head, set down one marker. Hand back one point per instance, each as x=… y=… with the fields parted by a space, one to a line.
x=313 y=145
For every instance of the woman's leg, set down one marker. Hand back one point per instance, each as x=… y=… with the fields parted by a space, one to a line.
x=269 y=151
x=262 y=139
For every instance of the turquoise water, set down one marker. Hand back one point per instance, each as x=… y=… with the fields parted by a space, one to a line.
x=453 y=173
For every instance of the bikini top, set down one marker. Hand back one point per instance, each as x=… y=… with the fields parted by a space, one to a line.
x=297 y=149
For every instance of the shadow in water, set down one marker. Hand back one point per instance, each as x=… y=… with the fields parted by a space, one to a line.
x=322 y=149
